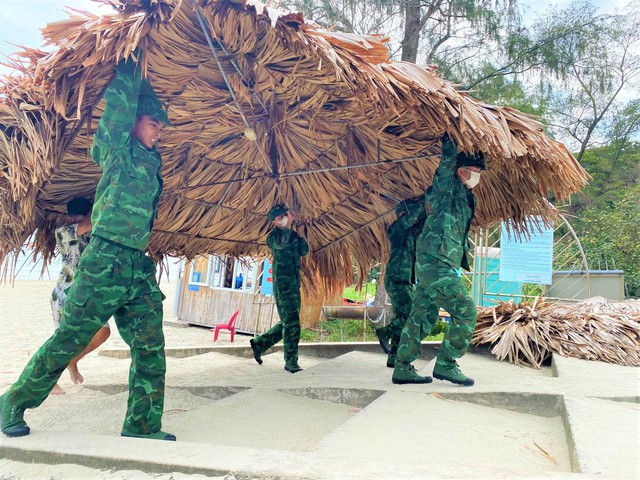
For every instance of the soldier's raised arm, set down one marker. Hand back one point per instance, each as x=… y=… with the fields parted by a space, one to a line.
x=121 y=104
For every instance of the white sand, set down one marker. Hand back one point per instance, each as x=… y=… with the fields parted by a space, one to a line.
x=25 y=320
x=25 y=323
x=333 y=432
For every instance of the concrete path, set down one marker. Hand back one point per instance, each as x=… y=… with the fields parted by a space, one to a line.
x=342 y=418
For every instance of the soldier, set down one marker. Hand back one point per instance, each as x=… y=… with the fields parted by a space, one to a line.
x=399 y=277
x=442 y=248
x=114 y=276
x=71 y=240
x=286 y=249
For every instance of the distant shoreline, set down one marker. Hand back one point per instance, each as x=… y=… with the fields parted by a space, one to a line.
x=29 y=270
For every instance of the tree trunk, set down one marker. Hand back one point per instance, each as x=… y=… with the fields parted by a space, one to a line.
x=412 y=28
x=381 y=294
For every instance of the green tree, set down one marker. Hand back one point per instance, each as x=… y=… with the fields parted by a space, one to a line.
x=442 y=32
x=607 y=211
x=587 y=69
x=508 y=90
x=610 y=236
x=624 y=125
x=614 y=170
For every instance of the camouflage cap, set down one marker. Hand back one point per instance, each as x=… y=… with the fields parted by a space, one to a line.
x=475 y=159
x=151 y=106
x=277 y=211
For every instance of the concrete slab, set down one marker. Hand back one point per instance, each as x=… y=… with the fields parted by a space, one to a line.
x=269 y=417
x=342 y=418
x=448 y=431
x=597 y=379
x=605 y=436
x=100 y=452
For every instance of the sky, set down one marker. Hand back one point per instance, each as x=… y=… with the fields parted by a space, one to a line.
x=20 y=20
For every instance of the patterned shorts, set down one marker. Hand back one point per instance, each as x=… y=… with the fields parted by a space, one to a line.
x=57 y=302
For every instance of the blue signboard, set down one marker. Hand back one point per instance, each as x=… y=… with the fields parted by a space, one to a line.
x=527 y=260
x=266 y=286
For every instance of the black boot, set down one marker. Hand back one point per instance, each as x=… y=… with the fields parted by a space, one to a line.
x=293 y=368
x=257 y=354
x=383 y=337
x=170 y=437
x=13 y=424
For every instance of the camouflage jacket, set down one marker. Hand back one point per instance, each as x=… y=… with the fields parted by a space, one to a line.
x=446 y=231
x=402 y=235
x=286 y=249
x=127 y=196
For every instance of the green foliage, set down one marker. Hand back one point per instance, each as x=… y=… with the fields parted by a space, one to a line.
x=438 y=331
x=352 y=331
x=509 y=92
x=368 y=290
x=624 y=124
x=585 y=62
x=614 y=170
x=309 y=335
x=608 y=211
x=340 y=331
x=611 y=234
x=532 y=290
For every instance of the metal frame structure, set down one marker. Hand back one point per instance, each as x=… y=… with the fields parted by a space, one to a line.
x=568 y=256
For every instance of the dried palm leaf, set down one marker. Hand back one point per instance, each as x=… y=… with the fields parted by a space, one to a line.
x=593 y=329
x=342 y=133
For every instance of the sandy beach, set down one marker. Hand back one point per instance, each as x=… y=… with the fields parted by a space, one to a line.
x=25 y=319
x=25 y=322
x=265 y=423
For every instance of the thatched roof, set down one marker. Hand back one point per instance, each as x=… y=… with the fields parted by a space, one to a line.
x=593 y=329
x=318 y=101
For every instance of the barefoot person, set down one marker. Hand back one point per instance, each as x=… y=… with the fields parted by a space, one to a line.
x=442 y=248
x=114 y=276
x=71 y=241
x=286 y=249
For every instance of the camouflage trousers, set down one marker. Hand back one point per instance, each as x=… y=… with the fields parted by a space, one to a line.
x=111 y=280
x=287 y=297
x=401 y=295
x=438 y=286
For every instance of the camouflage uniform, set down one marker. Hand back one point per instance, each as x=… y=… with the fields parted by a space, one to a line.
x=286 y=249
x=114 y=276
x=441 y=249
x=399 y=276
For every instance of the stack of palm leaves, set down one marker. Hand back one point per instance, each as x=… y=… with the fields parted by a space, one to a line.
x=593 y=329
x=268 y=108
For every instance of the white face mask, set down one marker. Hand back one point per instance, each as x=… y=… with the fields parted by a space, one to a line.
x=474 y=180
x=284 y=222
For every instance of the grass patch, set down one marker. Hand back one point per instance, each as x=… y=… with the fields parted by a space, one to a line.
x=368 y=289
x=352 y=331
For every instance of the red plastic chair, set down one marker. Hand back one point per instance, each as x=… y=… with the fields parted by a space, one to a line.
x=226 y=326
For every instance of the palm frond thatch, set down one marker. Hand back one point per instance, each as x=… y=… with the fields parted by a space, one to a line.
x=593 y=329
x=342 y=133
